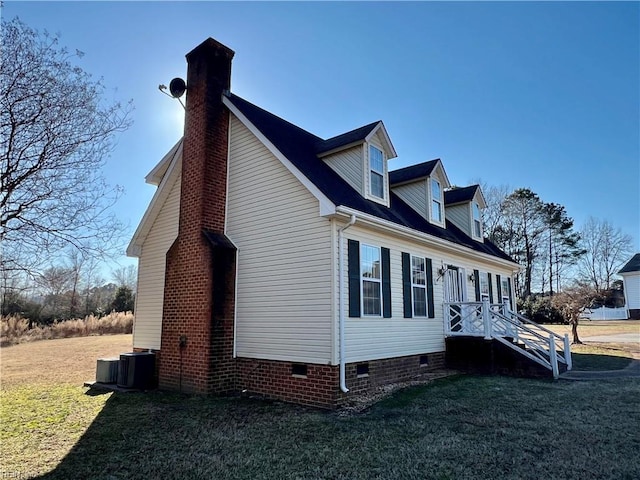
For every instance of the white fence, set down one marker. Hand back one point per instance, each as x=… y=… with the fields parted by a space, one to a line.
x=605 y=313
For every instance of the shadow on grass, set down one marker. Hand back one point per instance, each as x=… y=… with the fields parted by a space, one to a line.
x=598 y=362
x=506 y=427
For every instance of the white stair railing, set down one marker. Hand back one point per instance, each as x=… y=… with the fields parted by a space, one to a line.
x=497 y=321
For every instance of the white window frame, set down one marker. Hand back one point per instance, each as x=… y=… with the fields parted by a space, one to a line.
x=484 y=296
x=378 y=281
x=504 y=290
x=436 y=200
x=476 y=223
x=420 y=286
x=373 y=171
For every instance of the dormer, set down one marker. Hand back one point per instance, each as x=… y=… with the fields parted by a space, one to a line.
x=422 y=187
x=361 y=158
x=464 y=209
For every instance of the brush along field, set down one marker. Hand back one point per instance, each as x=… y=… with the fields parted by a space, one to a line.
x=462 y=427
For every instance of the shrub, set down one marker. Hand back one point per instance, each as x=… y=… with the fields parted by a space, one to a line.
x=540 y=310
x=15 y=329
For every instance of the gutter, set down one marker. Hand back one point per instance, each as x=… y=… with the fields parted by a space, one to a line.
x=424 y=238
x=343 y=384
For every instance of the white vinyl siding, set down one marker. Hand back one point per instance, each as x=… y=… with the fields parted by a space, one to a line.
x=415 y=195
x=459 y=216
x=349 y=165
x=378 y=338
x=283 y=307
x=151 y=269
x=632 y=289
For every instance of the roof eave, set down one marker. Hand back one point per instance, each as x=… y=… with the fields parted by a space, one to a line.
x=425 y=237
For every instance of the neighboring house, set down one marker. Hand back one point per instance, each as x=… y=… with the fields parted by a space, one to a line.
x=276 y=262
x=631 y=277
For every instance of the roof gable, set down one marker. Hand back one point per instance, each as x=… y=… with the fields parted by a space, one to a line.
x=412 y=172
x=420 y=171
x=171 y=175
x=155 y=176
x=632 y=265
x=300 y=148
x=464 y=195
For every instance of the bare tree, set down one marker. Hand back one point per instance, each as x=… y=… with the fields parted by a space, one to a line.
x=56 y=130
x=55 y=281
x=572 y=301
x=492 y=214
x=606 y=249
x=126 y=277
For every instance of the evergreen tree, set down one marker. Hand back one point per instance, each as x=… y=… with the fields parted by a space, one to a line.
x=124 y=300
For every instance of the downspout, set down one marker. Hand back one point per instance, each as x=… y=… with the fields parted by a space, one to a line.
x=343 y=384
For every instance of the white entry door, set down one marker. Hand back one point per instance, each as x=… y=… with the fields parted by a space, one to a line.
x=455 y=291
x=455 y=286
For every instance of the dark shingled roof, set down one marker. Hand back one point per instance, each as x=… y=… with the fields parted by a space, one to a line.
x=632 y=265
x=413 y=172
x=301 y=148
x=354 y=136
x=459 y=195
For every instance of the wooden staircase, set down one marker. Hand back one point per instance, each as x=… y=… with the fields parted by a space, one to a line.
x=503 y=331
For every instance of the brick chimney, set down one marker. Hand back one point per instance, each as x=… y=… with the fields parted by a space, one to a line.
x=197 y=323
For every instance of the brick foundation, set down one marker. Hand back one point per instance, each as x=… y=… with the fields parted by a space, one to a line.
x=321 y=386
x=391 y=370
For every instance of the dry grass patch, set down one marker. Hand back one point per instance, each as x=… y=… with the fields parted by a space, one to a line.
x=15 y=329
x=592 y=328
x=53 y=362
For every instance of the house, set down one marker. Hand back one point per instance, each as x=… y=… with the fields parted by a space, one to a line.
x=631 y=277
x=280 y=263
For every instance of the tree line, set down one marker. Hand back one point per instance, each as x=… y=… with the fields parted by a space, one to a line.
x=563 y=269
x=57 y=226
x=68 y=291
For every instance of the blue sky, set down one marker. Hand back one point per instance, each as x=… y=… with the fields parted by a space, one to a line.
x=538 y=95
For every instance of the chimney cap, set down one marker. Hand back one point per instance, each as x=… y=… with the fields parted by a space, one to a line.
x=210 y=47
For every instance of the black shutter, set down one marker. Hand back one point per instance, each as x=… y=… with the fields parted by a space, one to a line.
x=406 y=285
x=354 y=278
x=430 y=307
x=386 y=282
x=490 y=288
x=510 y=294
x=476 y=283
x=499 y=285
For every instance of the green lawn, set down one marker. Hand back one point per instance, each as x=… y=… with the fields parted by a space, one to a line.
x=456 y=428
x=597 y=357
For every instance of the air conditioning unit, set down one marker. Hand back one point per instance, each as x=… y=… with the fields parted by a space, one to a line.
x=136 y=370
x=107 y=370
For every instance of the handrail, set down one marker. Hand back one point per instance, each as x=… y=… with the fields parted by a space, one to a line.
x=497 y=321
x=527 y=320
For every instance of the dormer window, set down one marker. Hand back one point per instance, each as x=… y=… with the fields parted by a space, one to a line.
x=436 y=201
x=376 y=166
x=477 y=222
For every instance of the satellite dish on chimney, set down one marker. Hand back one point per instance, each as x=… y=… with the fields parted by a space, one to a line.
x=177 y=87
